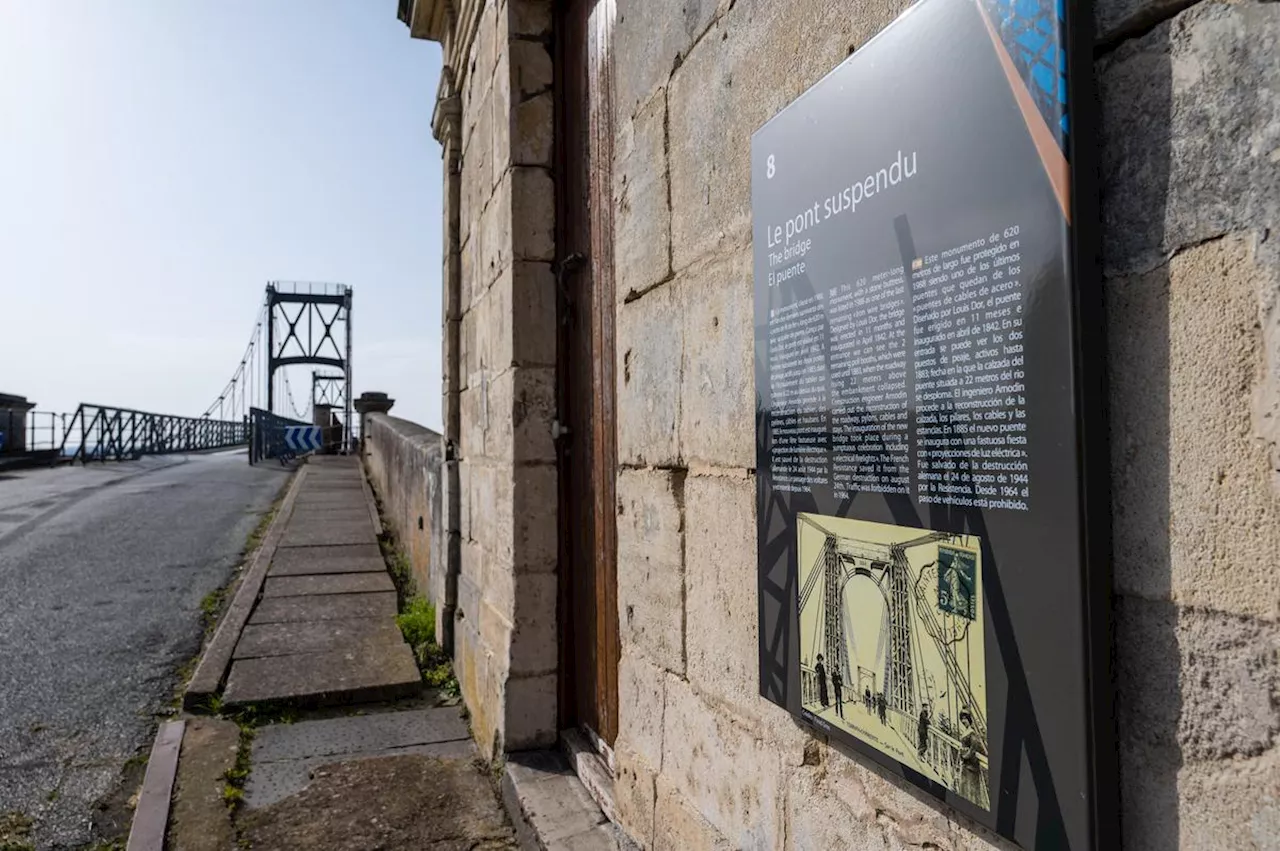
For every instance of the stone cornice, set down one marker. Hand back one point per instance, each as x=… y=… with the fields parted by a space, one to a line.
x=427 y=19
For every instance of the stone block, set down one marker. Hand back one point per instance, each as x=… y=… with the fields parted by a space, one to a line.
x=491 y=501
x=1196 y=520
x=633 y=795
x=533 y=318
x=535 y=644
x=842 y=803
x=529 y=18
x=1189 y=132
x=535 y=502
x=722 y=93
x=722 y=768
x=677 y=827
x=650 y=351
x=533 y=205
x=503 y=108
x=720 y=564
x=533 y=408
x=641 y=205
x=531 y=68
x=1229 y=805
x=717 y=381
x=651 y=565
x=649 y=38
x=493 y=324
x=495 y=632
x=532 y=131
x=530 y=712
x=471 y=662
x=642 y=700
x=495 y=247
x=1194 y=684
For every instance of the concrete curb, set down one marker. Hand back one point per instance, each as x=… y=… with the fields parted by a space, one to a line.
x=212 y=669
x=151 y=818
x=370 y=501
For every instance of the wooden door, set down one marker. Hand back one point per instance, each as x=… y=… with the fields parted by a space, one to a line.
x=588 y=452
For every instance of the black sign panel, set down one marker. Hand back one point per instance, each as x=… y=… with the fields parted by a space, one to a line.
x=932 y=499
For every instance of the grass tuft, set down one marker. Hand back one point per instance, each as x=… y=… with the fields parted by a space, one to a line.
x=417 y=622
x=234 y=778
x=15 y=832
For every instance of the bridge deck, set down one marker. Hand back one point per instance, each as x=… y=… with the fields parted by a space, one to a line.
x=324 y=629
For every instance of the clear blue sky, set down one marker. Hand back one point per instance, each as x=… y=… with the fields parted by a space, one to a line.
x=161 y=161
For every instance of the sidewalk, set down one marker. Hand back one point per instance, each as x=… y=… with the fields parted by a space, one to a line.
x=364 y=758
x=324 y=630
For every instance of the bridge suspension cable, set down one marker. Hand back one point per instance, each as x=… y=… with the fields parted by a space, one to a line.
x=245 y=389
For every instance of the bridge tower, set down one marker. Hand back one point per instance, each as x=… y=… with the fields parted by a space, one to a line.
x=313 y=319
x=899 y=682
x=832 y=627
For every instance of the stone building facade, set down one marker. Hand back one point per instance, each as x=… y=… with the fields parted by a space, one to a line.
x=1190 y=192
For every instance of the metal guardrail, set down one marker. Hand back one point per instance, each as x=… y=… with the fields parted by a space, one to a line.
x=31 y=431
x=104 y=433
x=266 y=435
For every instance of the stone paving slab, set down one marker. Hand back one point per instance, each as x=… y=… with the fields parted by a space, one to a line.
x=330 y=514
x=328 y=583
x=356 y=558
x=321 y=533
x=325 y=607
x=338 y=486
x=440 y=804
x=274 y=781
x=355 y=734
x=325 y=498
x=354 y=675
x=293 y=637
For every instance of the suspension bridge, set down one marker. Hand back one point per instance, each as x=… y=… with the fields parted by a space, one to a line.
x=914 y=684
x=298 y=323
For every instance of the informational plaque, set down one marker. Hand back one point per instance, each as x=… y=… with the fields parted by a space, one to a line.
x=932 y=507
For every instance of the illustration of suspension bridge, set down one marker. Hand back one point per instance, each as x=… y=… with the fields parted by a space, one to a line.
x=916 y=691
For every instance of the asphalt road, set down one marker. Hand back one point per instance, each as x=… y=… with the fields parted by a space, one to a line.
x=102 y=572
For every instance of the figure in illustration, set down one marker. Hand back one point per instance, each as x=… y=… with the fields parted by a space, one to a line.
x=837 y=685
x=821 y=670
x=881 y=704
x=922 y=730
x=866 y=699
x=972 y=749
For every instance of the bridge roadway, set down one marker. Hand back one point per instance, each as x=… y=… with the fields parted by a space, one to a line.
x=102 y=573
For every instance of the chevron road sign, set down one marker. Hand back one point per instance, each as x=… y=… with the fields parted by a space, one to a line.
x=302 y=438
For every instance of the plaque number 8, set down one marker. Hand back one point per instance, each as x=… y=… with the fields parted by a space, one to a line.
x=771 y=167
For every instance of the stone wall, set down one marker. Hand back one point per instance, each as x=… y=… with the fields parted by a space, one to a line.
x=1191 y=195
x=500 y=338
x=1190 y=170
x=403 y=461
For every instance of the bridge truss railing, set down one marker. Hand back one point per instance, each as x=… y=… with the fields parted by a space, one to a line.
x=105 y=433
x=267 y=435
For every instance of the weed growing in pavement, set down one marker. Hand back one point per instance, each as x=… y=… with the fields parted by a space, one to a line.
x=234 y=778
x=260 y=531
x=15 y=832
x=138 y=760
x=417 y=622
x=417 y=618
x=211 y=606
